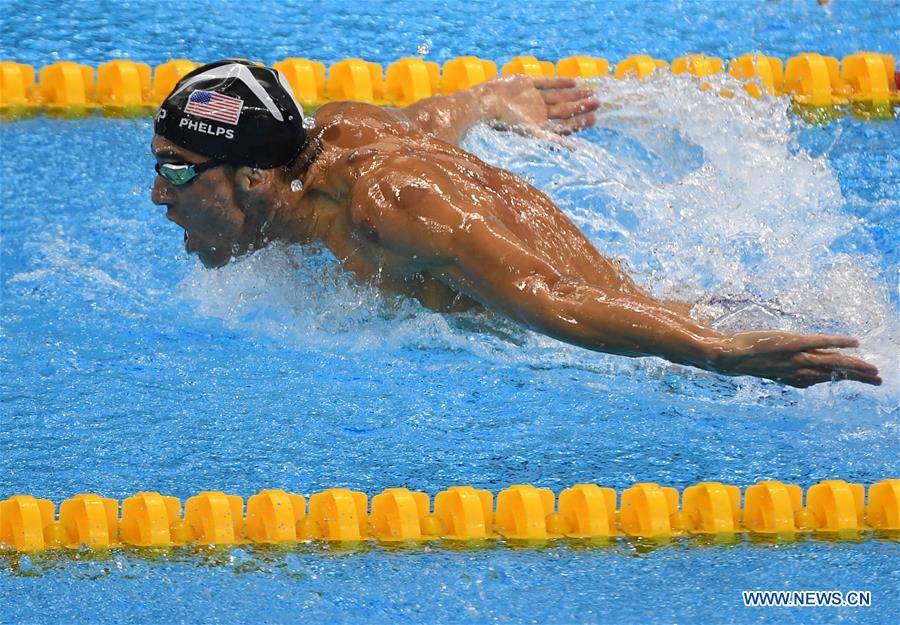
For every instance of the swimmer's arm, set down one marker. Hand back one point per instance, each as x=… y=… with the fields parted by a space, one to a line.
x=505 y=275
x=524 y=287
x=516 y=100
x=528 y=290
x=636 y=324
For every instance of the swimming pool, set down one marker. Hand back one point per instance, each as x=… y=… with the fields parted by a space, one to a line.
x=127 y=367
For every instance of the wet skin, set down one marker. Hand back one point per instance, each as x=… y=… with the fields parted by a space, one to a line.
x=390 y=194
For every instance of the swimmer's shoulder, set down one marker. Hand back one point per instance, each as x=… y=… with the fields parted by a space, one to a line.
x=344 y=111
x=357 y=137
x=351 y=124
x=353 y=136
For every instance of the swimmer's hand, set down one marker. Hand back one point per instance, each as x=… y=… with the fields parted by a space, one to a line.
x=799 y=360
x=551 y=103
x=545 y=107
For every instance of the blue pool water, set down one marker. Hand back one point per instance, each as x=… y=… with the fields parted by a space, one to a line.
x=125 y=366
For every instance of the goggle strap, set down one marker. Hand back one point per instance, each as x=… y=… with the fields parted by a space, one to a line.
x=201 y=167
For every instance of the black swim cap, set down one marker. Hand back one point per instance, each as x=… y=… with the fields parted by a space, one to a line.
x=236 y=112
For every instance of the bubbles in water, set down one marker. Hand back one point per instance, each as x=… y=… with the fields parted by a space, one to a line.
x=296 y=185
x=309 y=122
x=423 y=48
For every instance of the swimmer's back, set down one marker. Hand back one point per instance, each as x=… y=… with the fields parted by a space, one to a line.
x=360 y=139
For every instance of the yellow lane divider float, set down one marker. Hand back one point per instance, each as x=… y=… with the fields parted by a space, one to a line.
x=834 y=508
x=864 y=81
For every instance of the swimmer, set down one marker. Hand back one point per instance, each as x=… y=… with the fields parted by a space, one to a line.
x=402 y=207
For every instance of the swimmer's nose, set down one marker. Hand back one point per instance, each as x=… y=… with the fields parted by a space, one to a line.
x=161 y=192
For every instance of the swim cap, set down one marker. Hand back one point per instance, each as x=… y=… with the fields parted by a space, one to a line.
x=236 y=112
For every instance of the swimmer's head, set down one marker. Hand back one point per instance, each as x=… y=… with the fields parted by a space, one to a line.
x=235 y=112
x=221 y=136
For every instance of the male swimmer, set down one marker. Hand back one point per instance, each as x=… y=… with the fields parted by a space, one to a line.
x=401 y=206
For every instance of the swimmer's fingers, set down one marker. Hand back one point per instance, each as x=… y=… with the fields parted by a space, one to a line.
x=808 y=377
x=572 y=108
x=553 y=98
x=804 y=342
x=572 y=115
x=828 y=364
x=866 y=378
x=835 y=360
x=569 y=108
x=554 y=82
x=823 y=366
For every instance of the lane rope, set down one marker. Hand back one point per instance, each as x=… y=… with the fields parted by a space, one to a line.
x=830 y=509
x=864 y=82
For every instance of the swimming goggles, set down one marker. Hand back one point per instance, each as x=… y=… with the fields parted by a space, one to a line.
x=179 y=174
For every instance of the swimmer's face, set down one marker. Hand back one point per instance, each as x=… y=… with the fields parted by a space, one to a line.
x=206 y=207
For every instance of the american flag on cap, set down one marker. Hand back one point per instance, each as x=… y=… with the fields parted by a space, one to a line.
x=212 y=105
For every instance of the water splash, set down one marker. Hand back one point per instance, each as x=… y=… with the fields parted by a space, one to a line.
x=711 y=200
x=301 y=295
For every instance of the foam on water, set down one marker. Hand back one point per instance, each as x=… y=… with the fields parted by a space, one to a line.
x=706 y=199
x=301 y=296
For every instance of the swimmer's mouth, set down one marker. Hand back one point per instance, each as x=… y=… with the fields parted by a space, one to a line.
x=189 y=246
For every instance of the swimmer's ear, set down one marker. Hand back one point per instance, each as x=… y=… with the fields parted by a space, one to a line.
x=253 y=179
